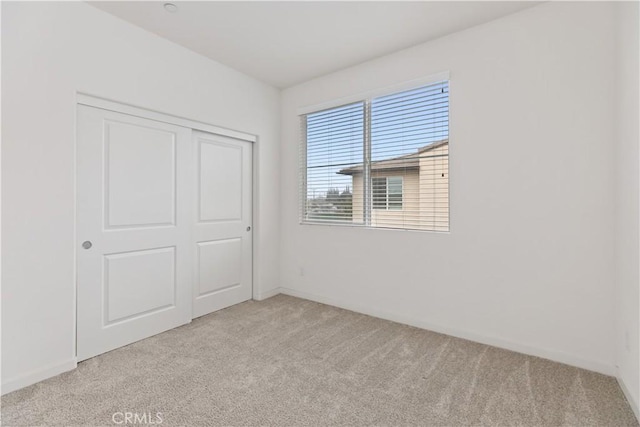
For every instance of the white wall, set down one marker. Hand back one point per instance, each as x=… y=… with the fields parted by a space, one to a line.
x=528 y=264
x=627 y=233
x=50 y=51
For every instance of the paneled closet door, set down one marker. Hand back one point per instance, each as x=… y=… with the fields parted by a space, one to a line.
x=223 y=222
x=134 y=229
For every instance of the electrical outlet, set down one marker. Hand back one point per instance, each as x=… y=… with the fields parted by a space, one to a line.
x=301 y=271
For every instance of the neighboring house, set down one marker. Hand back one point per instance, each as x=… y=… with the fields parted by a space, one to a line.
x=410 y=191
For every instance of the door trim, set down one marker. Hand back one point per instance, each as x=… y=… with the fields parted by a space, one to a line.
x=132 y=110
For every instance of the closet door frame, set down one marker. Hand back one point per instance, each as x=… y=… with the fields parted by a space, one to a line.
x=137 y=111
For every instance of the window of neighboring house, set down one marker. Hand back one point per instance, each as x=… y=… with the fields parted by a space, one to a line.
x=387 y=192
x=363 y=160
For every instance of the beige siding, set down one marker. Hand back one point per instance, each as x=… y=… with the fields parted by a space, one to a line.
x=434 y=189
x=425 y=198
x=357 y=190
x=407 y=217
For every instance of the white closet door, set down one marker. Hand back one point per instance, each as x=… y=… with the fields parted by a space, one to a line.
x=223 y=235
x=134 y=219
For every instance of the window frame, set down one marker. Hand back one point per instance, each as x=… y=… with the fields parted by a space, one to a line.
x=366 y=98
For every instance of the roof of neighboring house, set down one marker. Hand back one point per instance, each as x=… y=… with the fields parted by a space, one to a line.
x=408 y=161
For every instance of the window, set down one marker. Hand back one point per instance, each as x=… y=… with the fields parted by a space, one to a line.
x=387 y=192
x=334 y=141
x=379 y=162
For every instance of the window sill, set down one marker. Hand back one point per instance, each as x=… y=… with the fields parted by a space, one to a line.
x=365 y=227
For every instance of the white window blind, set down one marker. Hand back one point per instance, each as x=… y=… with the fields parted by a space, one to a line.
x=382 y=162
x=334 y=141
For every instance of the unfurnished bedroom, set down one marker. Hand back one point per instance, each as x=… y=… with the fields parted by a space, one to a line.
x=320 y=213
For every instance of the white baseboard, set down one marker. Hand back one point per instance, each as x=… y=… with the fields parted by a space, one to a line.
x=632 y=401
x=267 y=294
x=38 y=375
x=556 y=356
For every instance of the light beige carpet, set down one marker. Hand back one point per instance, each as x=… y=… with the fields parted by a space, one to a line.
x=291 y=362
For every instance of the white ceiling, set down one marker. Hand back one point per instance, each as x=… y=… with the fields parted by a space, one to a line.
x=285 y=43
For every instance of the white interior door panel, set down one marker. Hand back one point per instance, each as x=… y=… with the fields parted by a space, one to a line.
x=223 y=235
x=134 y=229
